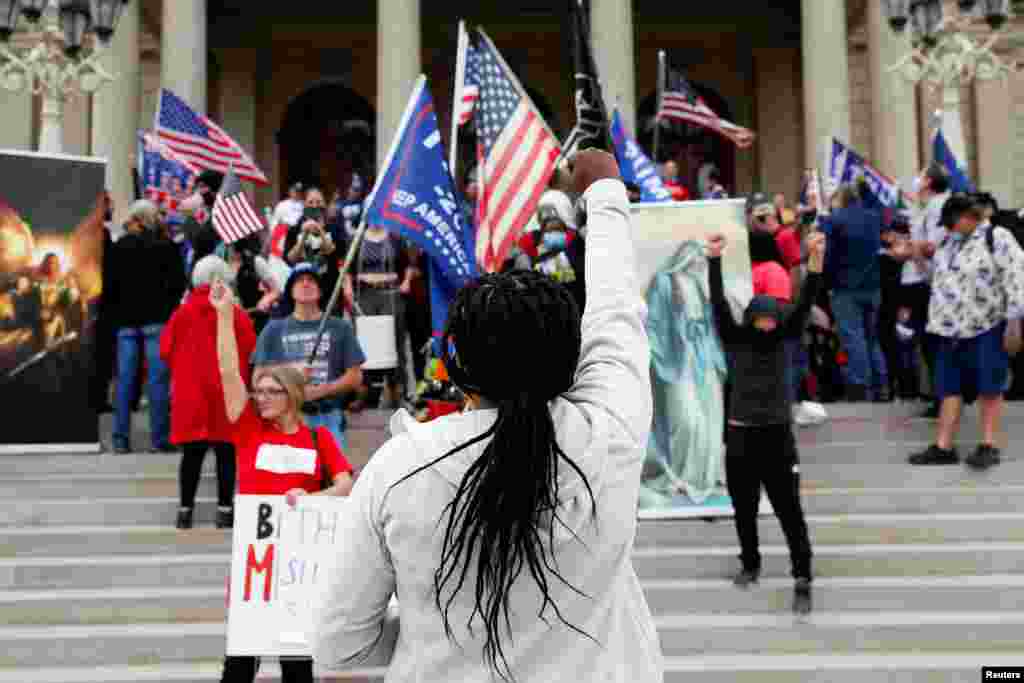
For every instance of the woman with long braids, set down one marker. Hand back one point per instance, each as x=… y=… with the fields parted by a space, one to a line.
x=506 y=532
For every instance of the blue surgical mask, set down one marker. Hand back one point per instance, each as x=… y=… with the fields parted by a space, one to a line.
x=554 y=240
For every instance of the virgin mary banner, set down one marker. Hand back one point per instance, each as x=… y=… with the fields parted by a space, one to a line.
x=684 y=471
x=51 y=245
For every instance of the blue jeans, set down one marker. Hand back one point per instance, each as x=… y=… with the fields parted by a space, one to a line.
x=856 y=313
x=335 y=423
x=129 y=341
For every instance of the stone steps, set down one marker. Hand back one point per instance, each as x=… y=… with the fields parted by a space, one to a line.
x=667 y=597
x=153 y=511
x=863 y=668
x=927 y=528
x=917 y=569
x=681 y=635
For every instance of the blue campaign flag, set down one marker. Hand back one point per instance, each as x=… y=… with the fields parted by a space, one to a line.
x=164 y=178
x=943 y=155
x=846 y=166
x=635 y=166
x=415 y=198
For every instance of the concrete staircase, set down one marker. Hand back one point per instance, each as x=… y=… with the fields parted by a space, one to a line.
x=920 y=571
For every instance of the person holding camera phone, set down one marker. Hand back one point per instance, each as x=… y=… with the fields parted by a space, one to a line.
x=310 y=241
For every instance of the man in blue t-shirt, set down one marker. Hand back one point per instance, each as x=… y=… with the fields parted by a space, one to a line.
x=337 y=367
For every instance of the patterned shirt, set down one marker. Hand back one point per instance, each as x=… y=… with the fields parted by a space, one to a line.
x=973 y=289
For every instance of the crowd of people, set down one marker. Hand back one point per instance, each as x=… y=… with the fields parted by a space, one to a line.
x=851 y=303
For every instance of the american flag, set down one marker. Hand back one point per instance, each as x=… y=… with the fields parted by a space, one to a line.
x=200 y=141
x=516 y=155
x=233 y=217
x=470 y=86
x=681 y=102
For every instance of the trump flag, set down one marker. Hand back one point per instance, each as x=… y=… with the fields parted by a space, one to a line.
x=414 y=197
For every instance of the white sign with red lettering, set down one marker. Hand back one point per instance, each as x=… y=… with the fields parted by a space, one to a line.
x=280 y=560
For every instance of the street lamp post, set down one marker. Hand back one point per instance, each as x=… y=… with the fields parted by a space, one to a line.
x=945 y=52
x=63 y=60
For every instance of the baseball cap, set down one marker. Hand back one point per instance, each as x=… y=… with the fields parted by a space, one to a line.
x=957 y=204
x=304 y=268
x=759 y=204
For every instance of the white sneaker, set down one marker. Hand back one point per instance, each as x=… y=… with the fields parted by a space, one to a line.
x=808 y=414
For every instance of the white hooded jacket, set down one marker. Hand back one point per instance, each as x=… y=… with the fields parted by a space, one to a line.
x=394 y=535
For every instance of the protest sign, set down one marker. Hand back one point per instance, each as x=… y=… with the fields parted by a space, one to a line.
x=280 y=560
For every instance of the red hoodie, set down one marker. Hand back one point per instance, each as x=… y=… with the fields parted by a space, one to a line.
x=189 y=347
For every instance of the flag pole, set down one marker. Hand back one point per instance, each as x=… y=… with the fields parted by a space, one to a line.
x=357 y=240
x=460 y=84
x=657 y=104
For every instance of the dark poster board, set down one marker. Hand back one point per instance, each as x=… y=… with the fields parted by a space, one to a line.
x=51 y=245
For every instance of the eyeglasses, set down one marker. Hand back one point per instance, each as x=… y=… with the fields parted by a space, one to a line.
x=267 y=393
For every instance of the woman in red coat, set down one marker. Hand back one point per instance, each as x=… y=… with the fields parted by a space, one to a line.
x=198 y=420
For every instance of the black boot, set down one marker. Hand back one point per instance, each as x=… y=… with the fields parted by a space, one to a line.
x=184 y=518
x=225 y=518
x=745 y=578
x=802 y=597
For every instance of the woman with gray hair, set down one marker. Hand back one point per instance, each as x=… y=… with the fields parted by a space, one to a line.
x=198 y=418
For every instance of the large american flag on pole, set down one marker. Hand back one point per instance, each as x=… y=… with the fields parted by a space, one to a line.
x=200 y=141
x=516 y=155
x=470 y=86
x=679 y=101
x=233 y=216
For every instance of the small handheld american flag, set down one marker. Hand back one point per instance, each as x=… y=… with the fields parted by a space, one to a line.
x=233 y=216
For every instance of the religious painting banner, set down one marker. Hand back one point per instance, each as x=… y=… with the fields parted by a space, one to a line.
x=51 y=251
x=684 y=471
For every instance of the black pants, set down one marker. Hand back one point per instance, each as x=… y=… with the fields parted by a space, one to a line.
x=243 y=670
x=766 y=455
x=192 y=456
x=916 y=298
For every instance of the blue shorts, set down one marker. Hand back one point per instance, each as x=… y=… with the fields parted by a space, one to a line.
x=972 y=367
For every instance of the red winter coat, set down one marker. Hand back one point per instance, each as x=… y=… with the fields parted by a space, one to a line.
x=189 y=347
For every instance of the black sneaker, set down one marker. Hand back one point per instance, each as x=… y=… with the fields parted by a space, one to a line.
x=225 y=518
x=166 y=448
x=745 y=578
x=983 y=457
x=934 y=456
x=931 y=412
x=184 y=518
x=802 y=597
x=122 y=450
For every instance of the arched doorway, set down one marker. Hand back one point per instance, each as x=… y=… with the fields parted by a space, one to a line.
x=327 y=134
x=689 y=145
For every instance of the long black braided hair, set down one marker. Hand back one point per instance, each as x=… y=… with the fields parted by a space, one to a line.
x=510 y=493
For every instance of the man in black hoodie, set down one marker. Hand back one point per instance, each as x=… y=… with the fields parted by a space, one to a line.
x=145 y=281
x=760 y=446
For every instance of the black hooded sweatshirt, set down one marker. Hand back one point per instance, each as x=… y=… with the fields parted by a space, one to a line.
x=758 y=359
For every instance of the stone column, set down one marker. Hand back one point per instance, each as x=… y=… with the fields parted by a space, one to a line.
x=399 y=64
x=183 y=57
x=115 y=110
x=894 y=148
x=826 y=75
x=15 y=120
x=76 y=124
x=611 y=35
x=997 y=139
x=51 y=125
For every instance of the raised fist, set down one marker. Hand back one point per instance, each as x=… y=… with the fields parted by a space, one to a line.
x=591 y=165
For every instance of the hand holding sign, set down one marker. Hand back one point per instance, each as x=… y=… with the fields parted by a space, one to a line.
x=716 y=245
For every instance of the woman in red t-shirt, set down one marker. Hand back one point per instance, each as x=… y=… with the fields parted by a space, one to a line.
x=277 y=454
